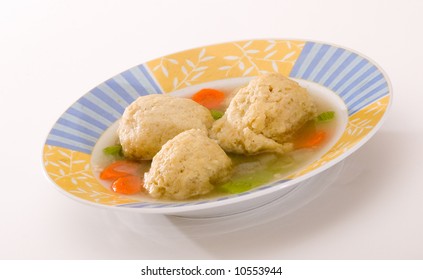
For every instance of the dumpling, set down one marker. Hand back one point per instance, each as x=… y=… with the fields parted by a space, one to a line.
x=151 y=120
x=187 y=166
x=263 y=116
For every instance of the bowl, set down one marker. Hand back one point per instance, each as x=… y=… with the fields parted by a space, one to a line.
x=357 y=88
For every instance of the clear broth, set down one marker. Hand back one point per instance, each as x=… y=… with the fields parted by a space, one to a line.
x=249 y=171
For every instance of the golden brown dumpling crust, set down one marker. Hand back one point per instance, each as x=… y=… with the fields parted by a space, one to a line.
x=152 y=120
x=263 y=116
x=187 y=166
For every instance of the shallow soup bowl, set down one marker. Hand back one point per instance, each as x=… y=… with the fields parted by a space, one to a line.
x=357 y=90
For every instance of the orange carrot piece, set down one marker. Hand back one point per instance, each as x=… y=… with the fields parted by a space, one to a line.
x=313 y=141
x=209 y=98
x=128 y=185
x=119 y=169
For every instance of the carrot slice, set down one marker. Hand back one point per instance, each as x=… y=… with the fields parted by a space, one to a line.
x=209 y=98
x=128 y=185
x=313 y=141
x=119 y=169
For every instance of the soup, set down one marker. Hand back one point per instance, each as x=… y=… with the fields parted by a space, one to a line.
x=250 y=171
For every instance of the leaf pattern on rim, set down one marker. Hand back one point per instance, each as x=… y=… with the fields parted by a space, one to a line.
x=237 y=59
x=191 y=70
x=253 y=58
x=358 y=126
x=377 y=108
x=63 y=166
x=162 y=65
x=71 y=171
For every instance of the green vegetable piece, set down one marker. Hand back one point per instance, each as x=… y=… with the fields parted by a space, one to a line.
x=246 y=182
x=115 y=150
x=326 y=116
x=216 y=114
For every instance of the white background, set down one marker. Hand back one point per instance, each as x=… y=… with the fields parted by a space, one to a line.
x=52 y=52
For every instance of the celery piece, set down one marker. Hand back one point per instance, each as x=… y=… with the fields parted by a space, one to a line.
x=325 y=116
x=246 y=182
x=115 y=150
x=216 y=114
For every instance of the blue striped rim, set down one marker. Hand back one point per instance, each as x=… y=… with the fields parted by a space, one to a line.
x=70 y=136
x=349 y=75
x=340 y=68
x=367 y=83
x=146 y=75
x=85 y=102
x=87 y=119
x=84 y=122
x=320 y=54
x=300 y=59
x=355 y=79
x=374 y=95
x=116 y=87
x=108 y=100
x=130 y=78
x=72 y=131
x=77 y=127
x=325 y=69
